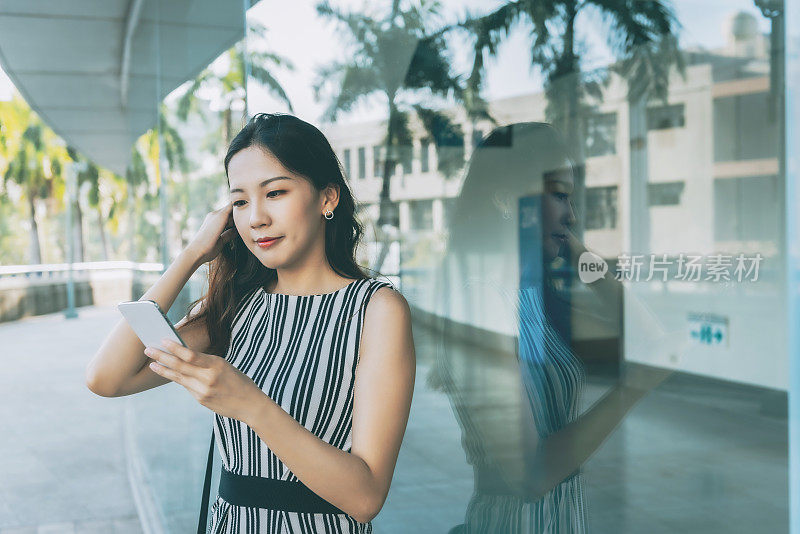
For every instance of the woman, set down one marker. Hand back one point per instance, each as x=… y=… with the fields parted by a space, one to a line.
x=313 y=389
x=506 y=359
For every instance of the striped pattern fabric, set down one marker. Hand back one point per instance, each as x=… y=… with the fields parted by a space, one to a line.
x=552 y=379
x=302 y=351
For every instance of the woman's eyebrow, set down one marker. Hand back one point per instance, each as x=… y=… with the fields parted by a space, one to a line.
x=262 y=184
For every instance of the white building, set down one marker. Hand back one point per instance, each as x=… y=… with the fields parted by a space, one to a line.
x=712 y=187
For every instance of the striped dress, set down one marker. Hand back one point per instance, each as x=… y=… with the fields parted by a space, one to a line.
x=302 y=351
x=489 y=394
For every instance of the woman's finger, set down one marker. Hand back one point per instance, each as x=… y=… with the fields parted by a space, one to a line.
x=168 y=360
x=186 y=354
x=166 y=372
x=192 y=385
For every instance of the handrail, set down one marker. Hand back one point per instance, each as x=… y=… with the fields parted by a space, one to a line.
x=12 y=270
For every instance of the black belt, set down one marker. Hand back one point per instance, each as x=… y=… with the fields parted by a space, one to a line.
x=260 y=492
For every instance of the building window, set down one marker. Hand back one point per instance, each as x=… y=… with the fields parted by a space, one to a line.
x=744 y=209
x=601 y=208
x=362 y=162
x=665 y=194
x=421 y=214
x=666 y=117
x=424 y=156
x=346 y=162
x=377 y=161
x=601 y=134
x=743 y=128
x=406 y=154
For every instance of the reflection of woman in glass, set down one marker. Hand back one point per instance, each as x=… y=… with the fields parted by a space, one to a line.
x=505 y=360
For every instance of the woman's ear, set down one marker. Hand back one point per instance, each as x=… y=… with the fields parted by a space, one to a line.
x=330 y=197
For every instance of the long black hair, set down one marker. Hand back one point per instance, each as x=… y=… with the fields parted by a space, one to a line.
x=235 y=272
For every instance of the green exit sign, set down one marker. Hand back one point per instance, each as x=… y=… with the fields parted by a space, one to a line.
x=708 y=329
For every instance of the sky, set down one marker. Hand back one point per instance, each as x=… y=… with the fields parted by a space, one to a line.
x=296 y=32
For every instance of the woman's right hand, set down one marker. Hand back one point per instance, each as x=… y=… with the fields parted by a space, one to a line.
x=217 y=229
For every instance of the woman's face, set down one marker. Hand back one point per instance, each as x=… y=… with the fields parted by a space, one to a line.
x=271 y=201
x=557 y=213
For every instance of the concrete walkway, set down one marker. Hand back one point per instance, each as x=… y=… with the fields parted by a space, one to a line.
x=685 y=460
x=63 y=465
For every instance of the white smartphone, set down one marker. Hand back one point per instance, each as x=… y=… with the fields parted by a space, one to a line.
x=149 y=322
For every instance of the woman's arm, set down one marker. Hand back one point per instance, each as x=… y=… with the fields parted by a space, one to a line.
x=121 y=357
x=119 y=367
x=357 y=482
x=563 y=452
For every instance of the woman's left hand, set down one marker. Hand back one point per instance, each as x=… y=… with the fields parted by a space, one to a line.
x=213 y=381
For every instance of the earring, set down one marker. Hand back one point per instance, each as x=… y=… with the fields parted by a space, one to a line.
x=329 y=212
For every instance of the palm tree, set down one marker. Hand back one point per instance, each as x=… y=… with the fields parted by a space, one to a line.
x=15 y=116
x=98 y=184
x=643 y=35
x=165 y=144
x=77 y=226
x=399 y=57
x=230 y=88
x=35 y=166
x=99 y=195
x=135 y=180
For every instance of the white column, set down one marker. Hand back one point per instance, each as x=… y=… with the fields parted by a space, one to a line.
x=438 y=215
x=405 y=216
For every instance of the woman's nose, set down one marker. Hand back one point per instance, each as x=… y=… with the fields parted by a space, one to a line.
x=571 y=219
x=258 y=215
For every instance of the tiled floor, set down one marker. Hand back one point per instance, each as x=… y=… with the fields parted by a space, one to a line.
x=684 y=460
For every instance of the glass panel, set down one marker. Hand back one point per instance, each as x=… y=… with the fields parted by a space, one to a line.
x=601 y=134
x=377 y=161
x=362 y=162
x=424 y=156
x=594 y=228
x=666 y=117
x=421 y=215
x=346 y=162
x=406 y=156
x=601 y=207
x=198 y=117
x=665 y=194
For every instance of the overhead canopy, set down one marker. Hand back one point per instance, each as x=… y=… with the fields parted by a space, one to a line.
x=95 y=71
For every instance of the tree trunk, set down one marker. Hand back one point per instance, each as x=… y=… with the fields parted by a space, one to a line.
x=573 y=120
x=131 y=224
x=226 y=127
x=101 y=229
x=387 y=212
x=35 y=247
x=639 y=211
x=78 y=233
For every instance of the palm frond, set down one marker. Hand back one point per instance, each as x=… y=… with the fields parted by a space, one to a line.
x=353 y=83
x=430 y=68
x=266 y=79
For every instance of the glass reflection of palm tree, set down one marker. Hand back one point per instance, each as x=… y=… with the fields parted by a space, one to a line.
x=505 y=358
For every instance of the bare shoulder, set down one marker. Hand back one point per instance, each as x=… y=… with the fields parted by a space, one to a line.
x=387 y=338
x=388 y=304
